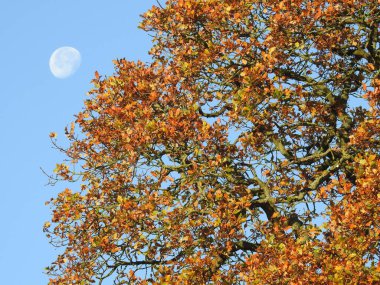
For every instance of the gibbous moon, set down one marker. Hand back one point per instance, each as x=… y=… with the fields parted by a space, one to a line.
x=64 y=61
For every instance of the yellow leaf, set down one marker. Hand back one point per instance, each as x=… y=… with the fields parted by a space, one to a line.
x=272 y=49
x=53 y=135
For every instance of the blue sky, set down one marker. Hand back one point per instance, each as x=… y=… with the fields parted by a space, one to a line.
x=34 y=103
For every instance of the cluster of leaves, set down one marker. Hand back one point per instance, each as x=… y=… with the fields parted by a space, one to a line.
x=239 y=155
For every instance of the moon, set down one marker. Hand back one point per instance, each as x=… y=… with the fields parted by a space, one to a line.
x=64 y=62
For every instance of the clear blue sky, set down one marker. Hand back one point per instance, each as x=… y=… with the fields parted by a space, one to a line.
x=34 y=103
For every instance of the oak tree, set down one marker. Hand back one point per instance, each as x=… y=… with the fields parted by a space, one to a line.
x=246 y=152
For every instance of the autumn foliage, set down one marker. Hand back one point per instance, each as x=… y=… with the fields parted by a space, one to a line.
x=246 y=152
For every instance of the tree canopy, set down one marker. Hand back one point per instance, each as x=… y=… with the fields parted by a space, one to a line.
x=246 y=152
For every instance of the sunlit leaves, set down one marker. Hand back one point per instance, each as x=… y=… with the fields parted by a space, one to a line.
x=236 y=156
